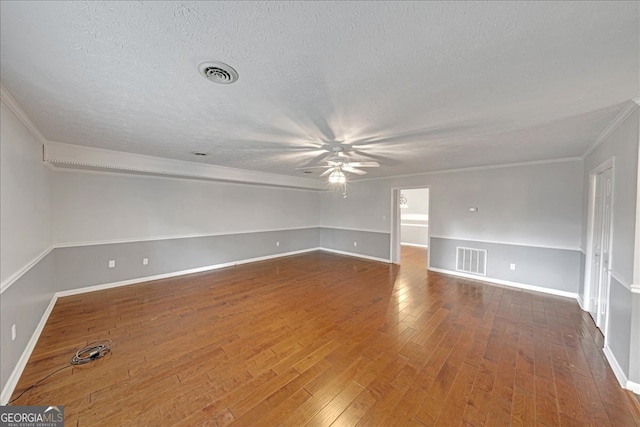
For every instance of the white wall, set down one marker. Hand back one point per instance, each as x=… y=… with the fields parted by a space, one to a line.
x=25 y=208
x=536 y=204
x=92 y=207
x=623 y=337
x=414 y=217
x=417 y=201
x=623 y=145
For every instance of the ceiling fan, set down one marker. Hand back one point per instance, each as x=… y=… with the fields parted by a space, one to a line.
x=339 y=163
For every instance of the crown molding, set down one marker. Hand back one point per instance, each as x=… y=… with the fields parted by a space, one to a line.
x=472 y=169
x=19 y=112
x=628 y=109
x=59 y=155
x=76 y=156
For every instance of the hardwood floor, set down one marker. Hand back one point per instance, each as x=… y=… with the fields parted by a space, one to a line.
x=322 y=339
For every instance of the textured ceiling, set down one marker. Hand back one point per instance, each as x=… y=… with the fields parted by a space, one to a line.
x=419 y=86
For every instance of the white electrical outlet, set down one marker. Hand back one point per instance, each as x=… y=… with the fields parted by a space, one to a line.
x=14 y=333
x=277 y=243
x=512 y=266
x=145 y=261
x=355 y=243
x=112 y=263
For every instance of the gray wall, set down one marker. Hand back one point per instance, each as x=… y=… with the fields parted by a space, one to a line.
x=623 y=144
x=634 y=367
x=82 y=266
x=369 y=243
x=25 y=233
x=23 y=304
x=25 y=211
x=414 y=233
x=86 y=204
x=557 y=269
x=620 y=324
x=527 y=214
x=583 y=263
x=535 y=205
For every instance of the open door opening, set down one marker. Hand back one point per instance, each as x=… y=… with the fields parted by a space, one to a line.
x=410 y=225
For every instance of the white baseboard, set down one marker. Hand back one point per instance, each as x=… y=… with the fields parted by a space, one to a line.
x=615 y=366
x=634 y=387
x=557 y=292
x=414 y=244
x=581 y=303
x=177 y=273
x=372 y=258
x=8 y=388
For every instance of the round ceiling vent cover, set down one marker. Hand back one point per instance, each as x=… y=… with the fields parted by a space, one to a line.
x=218 y=72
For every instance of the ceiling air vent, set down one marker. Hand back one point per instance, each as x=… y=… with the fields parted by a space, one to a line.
x=218 y=72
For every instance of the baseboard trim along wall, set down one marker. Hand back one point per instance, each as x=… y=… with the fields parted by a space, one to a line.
x=7 y=390
x=177 y=273
x=524 y=286
x=414 y=244
x=634 y=387
x=357 y=255
x=545 y=268
x=619 y=373
x=373 y=245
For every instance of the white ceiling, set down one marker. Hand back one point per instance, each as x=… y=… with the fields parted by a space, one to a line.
x=420 y=86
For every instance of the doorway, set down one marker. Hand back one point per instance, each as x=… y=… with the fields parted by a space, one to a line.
x=597 y=277
x=410 y=222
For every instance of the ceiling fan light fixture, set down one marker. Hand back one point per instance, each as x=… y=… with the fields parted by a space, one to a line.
x=337 y=177
x=403 y=201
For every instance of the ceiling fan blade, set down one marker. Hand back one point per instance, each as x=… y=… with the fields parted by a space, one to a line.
x=383 y=159
x=313 y=167
x=354 y=170
x=364 y=164
x=318 y=158
x=327 y=172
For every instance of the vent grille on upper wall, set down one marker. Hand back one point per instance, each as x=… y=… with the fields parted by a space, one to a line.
x=470 y=260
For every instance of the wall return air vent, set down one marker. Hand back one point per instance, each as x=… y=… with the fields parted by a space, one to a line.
x=470 y=260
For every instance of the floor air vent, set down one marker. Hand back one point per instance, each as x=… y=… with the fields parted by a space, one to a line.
x=469 y=260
